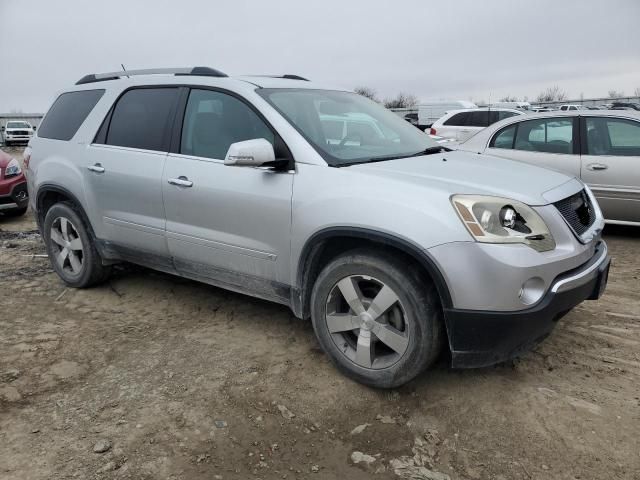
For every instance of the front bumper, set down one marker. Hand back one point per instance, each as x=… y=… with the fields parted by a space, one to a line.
x=482 y=338
x=13 y=139
x=14 y=194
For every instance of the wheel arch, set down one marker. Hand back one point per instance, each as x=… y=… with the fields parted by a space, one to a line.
x=311 y=257
x=50 y=194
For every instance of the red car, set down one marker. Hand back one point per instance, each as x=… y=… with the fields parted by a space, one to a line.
x=14 y=197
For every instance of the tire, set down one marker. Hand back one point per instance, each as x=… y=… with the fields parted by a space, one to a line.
x=405 y=334
x=15 y=212
x=80 y=265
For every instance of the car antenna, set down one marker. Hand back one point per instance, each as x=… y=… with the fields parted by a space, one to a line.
x=124 y=69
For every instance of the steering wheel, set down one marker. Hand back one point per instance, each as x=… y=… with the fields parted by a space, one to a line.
x=353 y=136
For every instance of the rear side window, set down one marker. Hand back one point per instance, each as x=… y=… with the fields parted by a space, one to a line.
x=458 y=120
x=67 y=114
x=142 y=118
x=612 y=136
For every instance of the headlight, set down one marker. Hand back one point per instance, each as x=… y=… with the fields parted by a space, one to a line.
x=502 y=220
x=13 y=169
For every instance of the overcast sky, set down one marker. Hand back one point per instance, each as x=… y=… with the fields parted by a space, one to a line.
x=457 y=49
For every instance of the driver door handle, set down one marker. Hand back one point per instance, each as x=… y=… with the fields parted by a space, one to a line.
x=181 y=181
x=597 y=166
x=98 y=168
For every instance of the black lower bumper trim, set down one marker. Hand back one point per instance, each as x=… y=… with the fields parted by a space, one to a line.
x=483 y=338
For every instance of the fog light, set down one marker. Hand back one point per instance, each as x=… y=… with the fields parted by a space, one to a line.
x=531 y=291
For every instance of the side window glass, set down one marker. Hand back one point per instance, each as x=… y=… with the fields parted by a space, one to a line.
x=613 y=136
x=504 y=139
x=458 y=120
x=214 y=120
x=553 y=135
x=141 y=119
x=478 y=119
x=67 y=114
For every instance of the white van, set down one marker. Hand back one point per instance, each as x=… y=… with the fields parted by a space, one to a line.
x=429 y=112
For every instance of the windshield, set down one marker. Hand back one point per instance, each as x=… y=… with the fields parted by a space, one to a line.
x=346 y=128
x=18 y=125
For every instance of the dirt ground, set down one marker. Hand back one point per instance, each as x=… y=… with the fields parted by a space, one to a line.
x=180 y=380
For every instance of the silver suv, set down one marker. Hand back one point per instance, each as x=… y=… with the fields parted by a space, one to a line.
x=392 y=245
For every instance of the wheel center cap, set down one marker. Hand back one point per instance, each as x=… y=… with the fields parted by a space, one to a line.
x=366 y=321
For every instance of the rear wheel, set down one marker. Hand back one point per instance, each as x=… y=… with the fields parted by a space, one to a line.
x=378 y=318
x=71 y=250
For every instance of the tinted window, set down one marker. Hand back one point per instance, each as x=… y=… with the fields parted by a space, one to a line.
x=554 y=135
x=67 y=114
x=613 y=136
x=479 y=118
x=142 y=118
x=504 y=139
x=215 y=120
x=458 y=120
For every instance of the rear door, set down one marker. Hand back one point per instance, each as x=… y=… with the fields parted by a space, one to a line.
x=227 y=225
x=454 y=126
x=545 y=142
x=123 y=172
x=611 y=165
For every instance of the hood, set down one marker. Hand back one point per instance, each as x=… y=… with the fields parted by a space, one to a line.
x=471 y=173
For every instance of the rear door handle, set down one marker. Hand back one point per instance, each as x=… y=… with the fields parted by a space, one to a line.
x=98 y=168
x=180 y=181
x=597 y=166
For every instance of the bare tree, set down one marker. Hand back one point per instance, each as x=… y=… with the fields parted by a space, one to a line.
x=636 y=92
x=615 y=94
x=402 y=100
x=552 y=94
x=368 y=92
x=509 y=98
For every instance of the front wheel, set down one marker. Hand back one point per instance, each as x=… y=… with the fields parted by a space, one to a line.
x=71 y=250
x=378 y=319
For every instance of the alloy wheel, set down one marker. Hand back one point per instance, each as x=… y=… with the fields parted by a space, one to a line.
x=367 y=322
x=67 y=246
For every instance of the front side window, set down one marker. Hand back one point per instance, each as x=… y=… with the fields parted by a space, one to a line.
x=142 y=119
x=373 y=133
x=67 y=113
x=612 y=136
x=552 y=135
x=214 y=120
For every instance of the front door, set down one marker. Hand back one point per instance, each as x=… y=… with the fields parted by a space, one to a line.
x=611 y=165
x=123 y=169
x=227 y=225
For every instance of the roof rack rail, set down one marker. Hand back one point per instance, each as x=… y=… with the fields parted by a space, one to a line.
x=294 y=77
x=102 y=77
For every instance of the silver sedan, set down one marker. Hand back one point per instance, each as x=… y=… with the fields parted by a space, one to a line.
x=600 y=147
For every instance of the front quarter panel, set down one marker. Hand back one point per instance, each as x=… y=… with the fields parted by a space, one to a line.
x=327 y=197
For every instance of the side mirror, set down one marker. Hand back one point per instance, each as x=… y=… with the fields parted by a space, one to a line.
x=250 y=153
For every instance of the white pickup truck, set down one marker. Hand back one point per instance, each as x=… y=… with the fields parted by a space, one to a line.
x=17 y=131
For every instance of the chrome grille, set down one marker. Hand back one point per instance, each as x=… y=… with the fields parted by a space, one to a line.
x=578 y=211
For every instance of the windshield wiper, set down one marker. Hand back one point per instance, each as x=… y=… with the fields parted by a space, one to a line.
x=431 y=150
x=426 y=151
